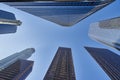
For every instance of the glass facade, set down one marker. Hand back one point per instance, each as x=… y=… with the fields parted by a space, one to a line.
x=19 y=70
x=25 y=54
x=63 y=13
x=108 y=60
x=106 y=32
x=62 y=67
x=7 y=15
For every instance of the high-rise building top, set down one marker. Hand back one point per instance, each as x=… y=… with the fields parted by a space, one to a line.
x=65 y=13
x=25 y=54
x=108 y=60
x=62 y=67
x=113 y=23
x=106 y=32
x=19 y=70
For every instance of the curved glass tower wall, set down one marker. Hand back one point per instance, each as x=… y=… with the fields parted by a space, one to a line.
x=25 y=54
x=106 y=32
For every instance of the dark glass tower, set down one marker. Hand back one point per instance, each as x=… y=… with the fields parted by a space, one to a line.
x=62 y=12
x=16 y=66
x=62 y=67
x=17 y=71
x=108 y=60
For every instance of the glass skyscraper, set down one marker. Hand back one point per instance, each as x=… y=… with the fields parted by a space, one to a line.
x=108 y=60
x=62 y=67
x=65 y=13
x=16 y=66
x=25 y=54
x=19 y=70
x=106 y=32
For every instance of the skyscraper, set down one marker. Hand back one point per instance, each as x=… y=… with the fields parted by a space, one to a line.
x=16 y=67
x=106 y=32
x=62 y=67
x=108 y=60
x=65 y=13
x=25 y=54
x=19 y=70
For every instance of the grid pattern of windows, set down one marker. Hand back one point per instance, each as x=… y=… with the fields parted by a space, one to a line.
x=66 y=13
x=16 y=70
x=10 y=72
x=61 y=67
x=109 y=61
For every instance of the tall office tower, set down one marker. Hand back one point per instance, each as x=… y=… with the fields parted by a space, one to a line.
x=25 y=54
x=62 y=67
x=19 y=70
x=106 y=32
x=109 y=61
x=65 y=13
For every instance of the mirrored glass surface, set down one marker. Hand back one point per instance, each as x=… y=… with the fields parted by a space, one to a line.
x=46 y=37
x=106 y=32
x=63 y=13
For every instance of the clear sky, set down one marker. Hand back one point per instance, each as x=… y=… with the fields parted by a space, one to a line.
x=46 y=37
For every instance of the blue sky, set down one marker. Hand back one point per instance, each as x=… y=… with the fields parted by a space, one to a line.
x=46 y=37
